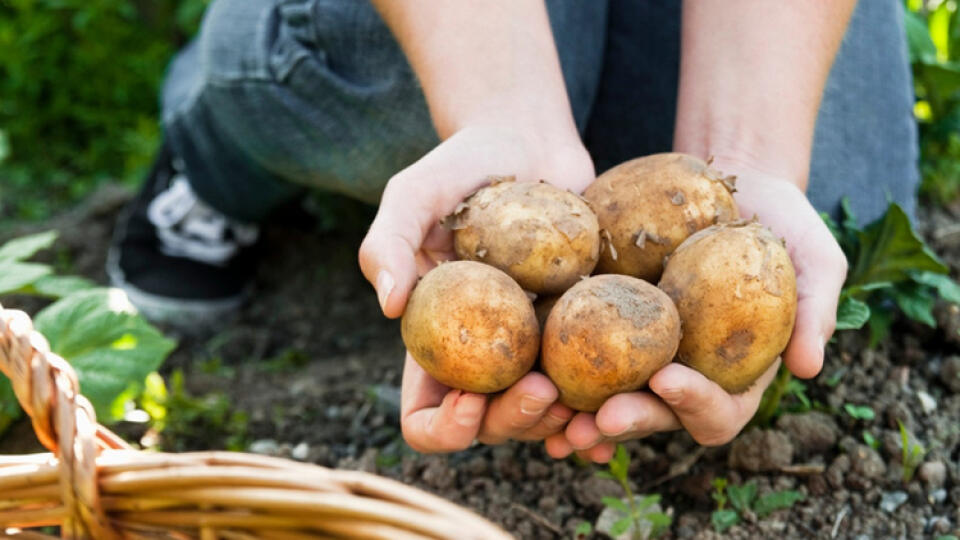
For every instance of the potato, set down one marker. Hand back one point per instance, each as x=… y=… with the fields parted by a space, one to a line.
x=542 y=236
x=736 y=291
x=647 y=206
x=470 y=326
x=606 y=335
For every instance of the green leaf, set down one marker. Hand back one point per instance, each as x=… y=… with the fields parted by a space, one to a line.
x=852 y=314
x=604 y=474
x=583 y=529
x=615 y=503
x=60 y=286
x=108 y=344
x=890 y=251
x=947 y=288
x=658 y=519
x=916 y=301
x=741 y=497
x=724 y=519
x=921 y=46
x=4 y=146
x=870 y=440
x=776 y=501
x=859 y=412
x=620 y=526
x=938 y=23
x=944 y=78
x=10 y=410
x=15 y=276
x=25 y=247
x=880 y=322
x=648 y=500
x=620 y=463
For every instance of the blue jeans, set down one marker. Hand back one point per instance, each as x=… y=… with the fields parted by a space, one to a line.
x=275 y=96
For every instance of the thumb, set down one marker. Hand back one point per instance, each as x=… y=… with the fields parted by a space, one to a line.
x=388 y=254
x=819 y=280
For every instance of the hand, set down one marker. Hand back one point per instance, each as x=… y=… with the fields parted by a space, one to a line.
x=405 y=241
x=680 y=396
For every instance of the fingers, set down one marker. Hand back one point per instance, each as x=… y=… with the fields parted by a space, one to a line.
x=434 y=418
x=821 y=270
x=635 y=415
x=711 y=415
x=558 y=447
x=520 y=408
x=553 y=422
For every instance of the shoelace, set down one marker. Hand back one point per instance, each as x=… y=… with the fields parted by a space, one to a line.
x=190 y=229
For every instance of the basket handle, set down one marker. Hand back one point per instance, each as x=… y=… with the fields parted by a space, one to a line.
x=65 y=423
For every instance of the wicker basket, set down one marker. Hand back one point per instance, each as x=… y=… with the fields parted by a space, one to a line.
x=94 y=485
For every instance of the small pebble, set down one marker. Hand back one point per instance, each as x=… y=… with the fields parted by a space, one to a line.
x=300 y=451
x=937 y=496
x=266 y=447
x=890 y=501
x=933 y=474
x=927 y=401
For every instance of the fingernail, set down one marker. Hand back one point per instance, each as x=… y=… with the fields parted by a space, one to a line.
x=385 y=285
x=589 y=445
x=468 y=411
x=671 y=395
x=628 y=427
x=533 y=405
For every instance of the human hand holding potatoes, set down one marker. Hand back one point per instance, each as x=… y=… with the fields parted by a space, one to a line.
x=406 y=240
x=683 y=397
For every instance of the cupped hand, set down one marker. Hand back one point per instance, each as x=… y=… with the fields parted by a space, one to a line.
x=405 y=241
x=680 y=397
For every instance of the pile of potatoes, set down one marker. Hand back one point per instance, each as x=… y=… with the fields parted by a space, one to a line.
x=724 y=303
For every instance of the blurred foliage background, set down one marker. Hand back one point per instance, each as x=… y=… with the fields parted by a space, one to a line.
x=79 y=81
x=79 y=86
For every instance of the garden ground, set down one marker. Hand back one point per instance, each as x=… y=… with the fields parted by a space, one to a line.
x=310 y=370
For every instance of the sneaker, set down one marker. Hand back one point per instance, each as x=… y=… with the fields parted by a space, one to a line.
x=181 y=263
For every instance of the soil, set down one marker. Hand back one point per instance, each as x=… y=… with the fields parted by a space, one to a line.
x=313 y=370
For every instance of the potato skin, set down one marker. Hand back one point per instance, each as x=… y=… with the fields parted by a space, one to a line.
x=471 y=327
x=647 y=206
x=606 y=335
x=736 y=290
x=542 y=236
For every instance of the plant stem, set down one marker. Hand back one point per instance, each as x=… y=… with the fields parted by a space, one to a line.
x=770 y=403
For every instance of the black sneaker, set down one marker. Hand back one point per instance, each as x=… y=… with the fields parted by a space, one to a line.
x=181 y=262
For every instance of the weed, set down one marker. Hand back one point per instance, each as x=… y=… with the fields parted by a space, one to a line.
x=635 y=512
x=911 y=453
x=860 y=412
x=743 y=500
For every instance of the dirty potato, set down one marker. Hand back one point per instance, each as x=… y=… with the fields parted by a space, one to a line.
x=471 y=327
x=736 y=291
x=542 y=236
x=647 y=206
x=606 y=335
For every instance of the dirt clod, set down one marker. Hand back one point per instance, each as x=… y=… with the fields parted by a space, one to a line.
x=761 y=450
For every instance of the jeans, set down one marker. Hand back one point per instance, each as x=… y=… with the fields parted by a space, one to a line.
x=276 y=96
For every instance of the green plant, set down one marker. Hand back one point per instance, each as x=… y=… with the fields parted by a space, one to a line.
x=635 y=513
x=79 y=80
x=189 y=421
x=96 y=330
x=743 y=499
x=911 y=453
x=859 y=412
x=870 y=440
x=933 y=34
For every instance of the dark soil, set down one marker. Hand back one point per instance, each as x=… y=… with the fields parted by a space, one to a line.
x=315 y=370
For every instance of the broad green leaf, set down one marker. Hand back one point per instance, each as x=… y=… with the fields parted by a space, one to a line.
x=25 y=247
x=620 y=526
x=4 y=146
x=618 y=504
x=916 y=301
x=943 y=78
x=741 y=497
x=890 y=250
x=921 y=46
x=9 y=407
x=60 y=286
x=583 y=529
x=659 y=520
x=17 y=275
x=776 y=501
x=947 y=288
x=108 y=344
x=724 y=519
x=852 y=314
